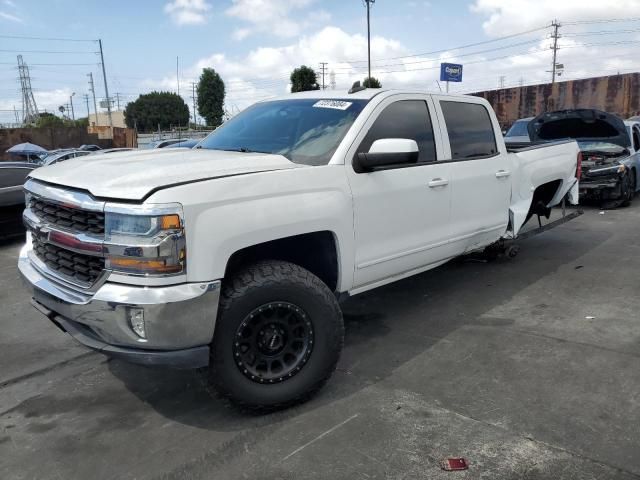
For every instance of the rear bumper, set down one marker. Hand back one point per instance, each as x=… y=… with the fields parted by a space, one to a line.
x=179 y=320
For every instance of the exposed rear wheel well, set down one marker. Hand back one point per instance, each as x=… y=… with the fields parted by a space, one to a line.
x=315 y=252
x=541 y=198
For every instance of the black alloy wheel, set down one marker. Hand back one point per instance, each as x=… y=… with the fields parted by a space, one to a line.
x=273 y=342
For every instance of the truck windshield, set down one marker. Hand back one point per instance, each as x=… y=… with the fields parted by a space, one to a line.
x=306 y=131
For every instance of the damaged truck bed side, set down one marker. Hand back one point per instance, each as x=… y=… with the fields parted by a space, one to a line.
x=233 y=255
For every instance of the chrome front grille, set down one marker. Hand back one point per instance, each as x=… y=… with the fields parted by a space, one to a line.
x=68 y=218
x=75 y=266
x=67 y=233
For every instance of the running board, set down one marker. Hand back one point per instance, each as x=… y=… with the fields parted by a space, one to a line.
x=550 y=225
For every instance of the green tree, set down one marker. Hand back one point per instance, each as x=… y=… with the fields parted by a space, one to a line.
x=371 y=82
x=46 y=119
x=211 y=97
x=156 y=108
x=304 y=79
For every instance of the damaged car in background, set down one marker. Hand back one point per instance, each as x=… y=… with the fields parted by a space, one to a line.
x=609 y=167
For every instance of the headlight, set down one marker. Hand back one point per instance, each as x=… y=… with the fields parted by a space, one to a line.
x=145 y=240
x=618 y=168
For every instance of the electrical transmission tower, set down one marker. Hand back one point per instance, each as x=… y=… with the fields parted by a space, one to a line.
x=29 y=107
x=555 y=49
x=194 y=98
x=323 y=70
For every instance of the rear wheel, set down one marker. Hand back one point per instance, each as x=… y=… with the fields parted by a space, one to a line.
x=278 y=337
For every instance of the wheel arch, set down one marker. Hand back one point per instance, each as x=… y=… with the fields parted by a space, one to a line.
x=317 y=252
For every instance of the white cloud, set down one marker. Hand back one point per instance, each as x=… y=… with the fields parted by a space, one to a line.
x=10 y=17
x=274 y=16
x=511 y=16
x=188 y=12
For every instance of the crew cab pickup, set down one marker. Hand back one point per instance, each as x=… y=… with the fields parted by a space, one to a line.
x=234 y=255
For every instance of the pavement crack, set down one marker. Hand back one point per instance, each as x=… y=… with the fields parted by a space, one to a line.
x=47 y=369
x=542 y=443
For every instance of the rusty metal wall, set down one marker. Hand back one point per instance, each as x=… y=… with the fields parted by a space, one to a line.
x=619 y=94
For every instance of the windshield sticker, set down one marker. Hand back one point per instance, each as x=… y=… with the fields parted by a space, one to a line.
x=335 y=104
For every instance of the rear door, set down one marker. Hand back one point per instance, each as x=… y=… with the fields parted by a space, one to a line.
x=401 y=213
x=480 y=172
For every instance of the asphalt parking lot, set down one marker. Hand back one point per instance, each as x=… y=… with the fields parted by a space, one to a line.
x=528 y=367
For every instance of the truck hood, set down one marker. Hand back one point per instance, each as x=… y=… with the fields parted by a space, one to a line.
x=136 y=174
x=582 y=125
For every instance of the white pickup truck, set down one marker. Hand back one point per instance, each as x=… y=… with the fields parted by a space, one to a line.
x=234 y=255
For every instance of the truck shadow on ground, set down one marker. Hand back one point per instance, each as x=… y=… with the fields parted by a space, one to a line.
x=385 y=328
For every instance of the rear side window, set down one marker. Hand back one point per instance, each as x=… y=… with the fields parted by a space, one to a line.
x=636 y=140
x=404 y=119
x=470 y=130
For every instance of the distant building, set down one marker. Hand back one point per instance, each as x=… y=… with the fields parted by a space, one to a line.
x=117 y=118
x=619 y=94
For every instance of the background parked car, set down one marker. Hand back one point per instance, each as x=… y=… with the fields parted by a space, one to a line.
x=89 y=148
x=64 y=155
x=187 y=143
x=12 y=178
x=165 y=143
x=609 y=163
x=518 y=132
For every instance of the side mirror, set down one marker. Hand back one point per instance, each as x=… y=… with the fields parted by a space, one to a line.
x=387 y=152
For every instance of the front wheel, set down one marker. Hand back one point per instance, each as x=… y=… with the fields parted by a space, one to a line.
x=278 y=337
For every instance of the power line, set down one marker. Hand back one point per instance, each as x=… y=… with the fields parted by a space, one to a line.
x=606 y=20
x=506 y=47
x=46 y=51
x=48 y=38
x=460 y=47
x=54 y=64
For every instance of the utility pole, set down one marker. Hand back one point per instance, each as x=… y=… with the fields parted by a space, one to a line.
x=323 y=69
x=106 y=89
x=332 y=80
x=501 y=79
x=369 y=3
x=555 y=49
x=193 y=97
x=93 y=91
x=86 y=100
x=73 y=114
x=177 y=77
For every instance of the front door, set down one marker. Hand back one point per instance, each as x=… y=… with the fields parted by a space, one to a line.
x=401 y=214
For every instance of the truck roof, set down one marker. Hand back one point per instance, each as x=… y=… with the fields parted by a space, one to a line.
x=365 y=94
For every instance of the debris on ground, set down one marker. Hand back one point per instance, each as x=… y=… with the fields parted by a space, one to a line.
x=453 y=464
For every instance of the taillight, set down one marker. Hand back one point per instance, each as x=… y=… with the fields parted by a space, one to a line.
x=579 y=166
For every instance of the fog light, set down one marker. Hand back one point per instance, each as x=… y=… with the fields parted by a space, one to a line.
x=136 y=319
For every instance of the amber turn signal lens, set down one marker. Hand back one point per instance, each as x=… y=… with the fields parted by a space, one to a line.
x=169 y=222
x=144 y=266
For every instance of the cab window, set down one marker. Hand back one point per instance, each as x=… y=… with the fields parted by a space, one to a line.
x=404 y=119
x=470 y=130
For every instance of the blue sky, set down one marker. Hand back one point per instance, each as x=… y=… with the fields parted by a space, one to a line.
x=255 y=43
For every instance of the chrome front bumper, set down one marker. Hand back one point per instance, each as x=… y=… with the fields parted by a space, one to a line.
x=179 y=319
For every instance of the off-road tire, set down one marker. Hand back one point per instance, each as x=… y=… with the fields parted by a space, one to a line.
x=264 y=283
